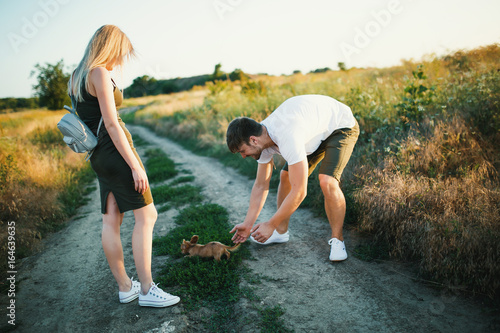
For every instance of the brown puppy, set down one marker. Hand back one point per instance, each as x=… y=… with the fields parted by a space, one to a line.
x=212 y=249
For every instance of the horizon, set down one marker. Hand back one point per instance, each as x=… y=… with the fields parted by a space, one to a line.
x=173 y=40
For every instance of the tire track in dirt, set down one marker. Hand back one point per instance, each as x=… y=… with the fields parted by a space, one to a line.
x=68 y=287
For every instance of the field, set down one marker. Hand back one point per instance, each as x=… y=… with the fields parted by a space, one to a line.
x=423 y=181
x=422 y=185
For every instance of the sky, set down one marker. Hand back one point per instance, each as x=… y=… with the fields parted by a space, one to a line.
x=181 y=38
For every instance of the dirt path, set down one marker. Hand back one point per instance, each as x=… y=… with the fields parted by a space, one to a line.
x=68 y=287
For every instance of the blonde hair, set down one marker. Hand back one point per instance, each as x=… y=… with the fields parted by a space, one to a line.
x=109 y=45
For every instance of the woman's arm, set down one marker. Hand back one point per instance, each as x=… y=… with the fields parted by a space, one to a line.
x=100 y=80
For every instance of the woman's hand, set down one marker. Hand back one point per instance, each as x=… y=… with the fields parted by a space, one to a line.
x=140 y=180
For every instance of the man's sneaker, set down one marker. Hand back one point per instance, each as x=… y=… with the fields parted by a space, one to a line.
x=129 y=296
x=157 y=298
x=275 y=238
x=337 y=252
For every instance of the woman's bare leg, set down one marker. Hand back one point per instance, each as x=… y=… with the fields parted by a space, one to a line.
x=142 y=244
x=112 y=245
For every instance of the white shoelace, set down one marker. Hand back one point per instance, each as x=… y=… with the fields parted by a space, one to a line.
x=334 y=240
x=159 y=290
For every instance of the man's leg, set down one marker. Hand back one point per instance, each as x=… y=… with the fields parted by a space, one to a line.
x=334 y=204
x=338 y=151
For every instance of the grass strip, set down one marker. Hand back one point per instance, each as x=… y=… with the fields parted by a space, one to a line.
x=159 y=166
x=204 y=282
x=177 y=196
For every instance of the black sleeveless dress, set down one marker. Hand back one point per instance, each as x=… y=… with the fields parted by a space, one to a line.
x=112 y=171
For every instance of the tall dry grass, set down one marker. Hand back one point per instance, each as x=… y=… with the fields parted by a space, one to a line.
x=437 y=201
x=41 y=180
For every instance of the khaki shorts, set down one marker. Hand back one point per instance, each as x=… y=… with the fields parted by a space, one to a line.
x=335 y=152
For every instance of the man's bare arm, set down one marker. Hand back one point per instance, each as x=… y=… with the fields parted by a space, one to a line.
x=258 y=197
x=298 y=180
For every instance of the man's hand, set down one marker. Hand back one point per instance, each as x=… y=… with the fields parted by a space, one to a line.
x=262 y=232
x=242 y=233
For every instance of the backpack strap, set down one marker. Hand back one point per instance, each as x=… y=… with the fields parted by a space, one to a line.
x=73 y=110
x=98 y=128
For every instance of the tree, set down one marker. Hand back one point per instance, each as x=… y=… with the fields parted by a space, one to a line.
x=218 y=74
x=51 y=88
x=238 y=75
x=144 y=86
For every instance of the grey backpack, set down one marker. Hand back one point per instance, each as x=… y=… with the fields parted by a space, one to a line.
x=76 y=133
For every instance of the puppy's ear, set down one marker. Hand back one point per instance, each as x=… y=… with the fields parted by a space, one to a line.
x=194 y=239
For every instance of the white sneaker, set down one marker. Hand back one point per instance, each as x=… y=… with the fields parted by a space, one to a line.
x=157 y=298
x=337 y=252
x=275 y=238
x=129 y=296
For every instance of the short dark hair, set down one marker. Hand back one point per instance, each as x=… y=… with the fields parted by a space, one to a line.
x=240 y=130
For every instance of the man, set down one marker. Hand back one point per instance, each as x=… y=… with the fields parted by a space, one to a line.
x=304 y=130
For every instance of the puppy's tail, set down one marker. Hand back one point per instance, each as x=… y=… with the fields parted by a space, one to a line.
x=234 y=248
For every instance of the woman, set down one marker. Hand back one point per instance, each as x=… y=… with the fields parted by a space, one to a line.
x=123 y=181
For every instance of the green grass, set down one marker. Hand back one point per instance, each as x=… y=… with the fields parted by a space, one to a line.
x=204 y=282
x=177 y=196
x=159 y=166
x=183 y=179
x=271 y=321
x=139 y=141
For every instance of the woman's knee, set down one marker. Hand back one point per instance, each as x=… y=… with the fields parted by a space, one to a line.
x=146 y=216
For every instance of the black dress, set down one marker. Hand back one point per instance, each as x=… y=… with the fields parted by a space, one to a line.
x=112 y=171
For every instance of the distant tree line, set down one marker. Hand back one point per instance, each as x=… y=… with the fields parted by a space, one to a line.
x=146 y=85
x=51 y=87
x=16 y=104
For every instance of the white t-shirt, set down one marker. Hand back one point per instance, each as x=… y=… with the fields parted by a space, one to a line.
x=301 y=123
